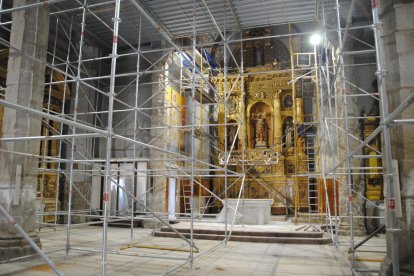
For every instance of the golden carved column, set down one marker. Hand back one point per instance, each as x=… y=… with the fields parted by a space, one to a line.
x=277 y=118
x=219 y=81
x=54 y=144
x=299 y=110
x=44 y=148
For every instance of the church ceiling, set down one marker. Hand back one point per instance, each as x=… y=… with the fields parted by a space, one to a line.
x=175 y=16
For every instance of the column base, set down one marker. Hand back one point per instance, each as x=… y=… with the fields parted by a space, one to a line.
x=386 y=268
x=13 y=246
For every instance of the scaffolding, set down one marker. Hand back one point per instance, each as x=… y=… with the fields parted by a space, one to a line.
x=337 y=118
x=181 y=69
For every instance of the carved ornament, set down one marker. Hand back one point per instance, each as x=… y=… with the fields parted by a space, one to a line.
x=233 y=105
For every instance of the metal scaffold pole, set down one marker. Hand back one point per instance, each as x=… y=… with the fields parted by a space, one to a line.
x=136 y=122
x=392 y=228
x=226 y=158
x=60 y=148
x=193 y=92
x=75 y=110
x=346 y=125
x=112 y=94
x=243 y=124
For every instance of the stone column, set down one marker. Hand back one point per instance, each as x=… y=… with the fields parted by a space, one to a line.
x=351 y=109
x=157 y=199
x=398 y=43
x=25 y=84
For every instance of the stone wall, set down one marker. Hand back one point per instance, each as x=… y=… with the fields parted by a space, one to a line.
x=398 y=44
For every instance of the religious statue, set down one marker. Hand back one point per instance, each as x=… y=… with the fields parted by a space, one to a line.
x=232 y=136
x=260 y=133
x=276 y=64
x=301 y=145
x=259 y=55
x=289 y=134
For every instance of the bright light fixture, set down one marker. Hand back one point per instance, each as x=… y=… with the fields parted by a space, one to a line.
x=315 y=39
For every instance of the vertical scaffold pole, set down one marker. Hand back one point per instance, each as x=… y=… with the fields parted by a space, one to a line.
x=225 y=127
x=193 y=88
x=135 y=124
x=110 y=133
x=346 y=124
x=243 y=121
x=386 y=144
x=75 y=111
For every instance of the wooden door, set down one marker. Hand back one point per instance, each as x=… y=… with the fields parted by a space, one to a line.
x=330 y=191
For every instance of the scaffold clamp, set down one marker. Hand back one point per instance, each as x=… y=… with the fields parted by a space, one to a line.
x=105 y=197
x=391 y=204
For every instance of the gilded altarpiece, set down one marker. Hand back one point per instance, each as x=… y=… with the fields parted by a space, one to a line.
x=273 y=153
x=54 y=98
x=373 y=178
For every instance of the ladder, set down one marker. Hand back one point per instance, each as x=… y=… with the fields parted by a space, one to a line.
x=310 y=150
x=313 y=198
x=186 y=197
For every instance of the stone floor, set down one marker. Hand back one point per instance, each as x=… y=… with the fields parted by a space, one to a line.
x=149 y=256
x=367 y=257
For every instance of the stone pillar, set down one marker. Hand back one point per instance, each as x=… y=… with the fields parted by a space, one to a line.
x=25 y=84
x=351 y=109
x=397 y=40
x=157 y=200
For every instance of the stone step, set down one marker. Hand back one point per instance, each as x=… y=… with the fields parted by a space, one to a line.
x=310 y=219
x=254 y=239
x=270 y=234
